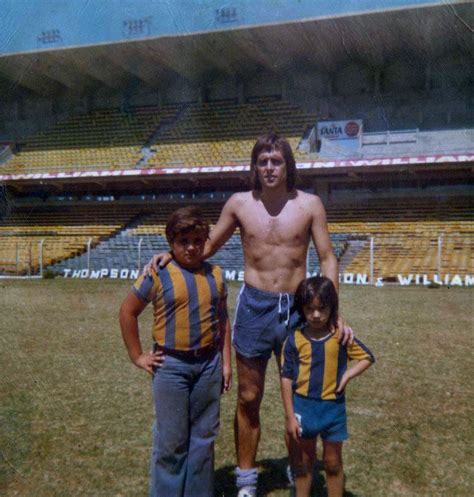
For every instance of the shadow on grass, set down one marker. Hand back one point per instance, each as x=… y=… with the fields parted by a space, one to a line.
x=272 y=478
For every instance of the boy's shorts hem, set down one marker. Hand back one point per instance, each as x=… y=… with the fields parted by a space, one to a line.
x=326 y=418
x=340 y=437
x=334 y=439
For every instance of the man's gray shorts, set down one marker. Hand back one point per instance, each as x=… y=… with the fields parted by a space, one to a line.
x=262 y=322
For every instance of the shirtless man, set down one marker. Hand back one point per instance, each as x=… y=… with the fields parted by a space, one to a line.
x=276 y=224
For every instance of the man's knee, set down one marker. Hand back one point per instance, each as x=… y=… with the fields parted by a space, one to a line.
x=248 y=404
x=249 y=398
x=332 y=466
x=251 y=378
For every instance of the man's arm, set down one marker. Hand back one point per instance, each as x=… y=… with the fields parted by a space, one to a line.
x=221 y=232
x=130 y=309
x=224 y=227
x=322 y=242
x=328 y=261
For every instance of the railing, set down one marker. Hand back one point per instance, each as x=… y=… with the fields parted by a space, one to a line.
x=400 y=258
x=27 y=263
x=415 y=259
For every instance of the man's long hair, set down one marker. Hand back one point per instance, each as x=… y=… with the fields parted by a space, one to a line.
x=267 y=143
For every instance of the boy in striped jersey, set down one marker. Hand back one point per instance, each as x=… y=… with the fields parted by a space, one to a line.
x=191 y=360
x=314 y=376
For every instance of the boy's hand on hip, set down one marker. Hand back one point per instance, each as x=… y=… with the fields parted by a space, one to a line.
x=344 y=381
x=150 y=360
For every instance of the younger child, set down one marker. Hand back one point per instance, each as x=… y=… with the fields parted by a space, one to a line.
x=190 y=362
x=314 y=376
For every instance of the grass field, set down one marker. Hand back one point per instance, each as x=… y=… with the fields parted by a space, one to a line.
x=76 y=415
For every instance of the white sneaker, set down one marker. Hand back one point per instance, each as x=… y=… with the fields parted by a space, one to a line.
x=247 y=491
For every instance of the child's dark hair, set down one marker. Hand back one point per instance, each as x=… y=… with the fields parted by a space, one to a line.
x=322 y=288
x=185 y=220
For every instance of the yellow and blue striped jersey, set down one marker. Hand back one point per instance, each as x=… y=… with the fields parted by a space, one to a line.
x=186 y=304
x=316 y=366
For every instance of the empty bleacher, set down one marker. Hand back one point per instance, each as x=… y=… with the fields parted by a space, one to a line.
x=129 y=250
x=145 y=236
x=223 y=133
x=103 y=139
x=207 y=134
x=406 y=236
x=55 y=234
x=405 y=232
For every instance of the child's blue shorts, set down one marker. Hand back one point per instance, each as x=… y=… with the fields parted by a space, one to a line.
x=321 y=417
x=262 y=322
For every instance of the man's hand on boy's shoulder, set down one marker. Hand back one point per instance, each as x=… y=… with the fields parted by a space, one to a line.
x=158 y=260
x=150 y=360
x=344 y=333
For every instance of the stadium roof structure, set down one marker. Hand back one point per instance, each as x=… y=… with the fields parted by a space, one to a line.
x=415 y=32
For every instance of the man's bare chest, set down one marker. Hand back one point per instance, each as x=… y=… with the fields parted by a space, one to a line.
x=286 y=228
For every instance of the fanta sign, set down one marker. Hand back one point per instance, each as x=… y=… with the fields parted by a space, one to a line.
x=340 y=130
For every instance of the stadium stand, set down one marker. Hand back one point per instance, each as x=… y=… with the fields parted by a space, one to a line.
x=186 y=135
x=212 y=134
x=64 y=233
x=103 y=139
x=406 y=234
x=131 y=251
x=125 y=250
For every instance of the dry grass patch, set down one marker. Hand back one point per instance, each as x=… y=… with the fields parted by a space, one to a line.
x=76 y=415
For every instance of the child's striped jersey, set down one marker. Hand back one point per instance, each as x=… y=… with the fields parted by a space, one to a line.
x=316 y=366
x=186 y=304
